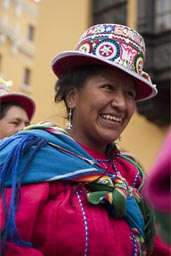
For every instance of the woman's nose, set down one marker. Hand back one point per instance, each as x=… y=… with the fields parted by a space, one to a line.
x=119 y=101
x=21 y=127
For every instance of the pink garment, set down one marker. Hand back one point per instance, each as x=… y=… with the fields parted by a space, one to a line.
x=57 y=219
x=157 y=189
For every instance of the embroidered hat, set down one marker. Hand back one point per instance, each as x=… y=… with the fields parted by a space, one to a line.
x=111 y=45
x=6 y=96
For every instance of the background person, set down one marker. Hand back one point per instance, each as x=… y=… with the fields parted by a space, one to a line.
x=16 y=112
x=157 y=189
x=71 y=191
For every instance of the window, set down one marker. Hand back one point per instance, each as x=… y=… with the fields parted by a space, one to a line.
x=30 y=33
x=27 y=75
x=109 y=11
x=162 y=15
x=154 y=18
x=26 y=80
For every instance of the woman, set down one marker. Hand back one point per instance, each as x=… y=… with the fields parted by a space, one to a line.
x=16 y=112
x=71 y=191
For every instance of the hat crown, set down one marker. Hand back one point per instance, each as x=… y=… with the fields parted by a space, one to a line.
x=115 y=43
x=110 y=45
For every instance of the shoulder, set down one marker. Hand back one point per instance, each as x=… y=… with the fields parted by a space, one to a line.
x=130 y=158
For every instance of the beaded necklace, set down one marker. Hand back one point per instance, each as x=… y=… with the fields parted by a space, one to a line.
x=104 y=163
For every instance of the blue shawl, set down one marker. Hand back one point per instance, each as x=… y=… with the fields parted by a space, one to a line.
x=18 y=155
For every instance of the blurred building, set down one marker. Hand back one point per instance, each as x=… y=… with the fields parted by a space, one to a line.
x=18 y=23
x=33 y=32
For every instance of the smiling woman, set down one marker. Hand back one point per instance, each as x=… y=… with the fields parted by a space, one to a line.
x=71 y=188
x=101 y=104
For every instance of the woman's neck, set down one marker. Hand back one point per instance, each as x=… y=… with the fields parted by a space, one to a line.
x=95 y=154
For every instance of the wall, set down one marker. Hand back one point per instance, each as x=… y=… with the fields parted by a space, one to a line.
x=143 y=139
x=59 y=29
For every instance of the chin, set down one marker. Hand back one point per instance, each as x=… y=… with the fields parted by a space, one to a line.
x=108 y=140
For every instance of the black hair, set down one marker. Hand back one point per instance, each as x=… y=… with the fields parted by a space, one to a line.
x=7 y=105
x=77 y=78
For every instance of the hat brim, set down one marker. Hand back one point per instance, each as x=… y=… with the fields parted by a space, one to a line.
x=68 y=60
x=27 y=103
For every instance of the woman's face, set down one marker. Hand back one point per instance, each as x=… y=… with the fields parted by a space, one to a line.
x=14 y=121
x=102 y=108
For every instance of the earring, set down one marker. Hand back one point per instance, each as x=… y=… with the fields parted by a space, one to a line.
x=69 y=126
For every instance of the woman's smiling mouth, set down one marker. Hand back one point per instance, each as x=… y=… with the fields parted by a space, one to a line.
x=112 y=118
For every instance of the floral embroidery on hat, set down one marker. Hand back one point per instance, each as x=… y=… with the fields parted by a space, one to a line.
x=107 y=49
x=115 y=43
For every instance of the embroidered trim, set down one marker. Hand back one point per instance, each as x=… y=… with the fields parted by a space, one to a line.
x=85 y=223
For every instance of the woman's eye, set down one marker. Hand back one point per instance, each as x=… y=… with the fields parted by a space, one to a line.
x=131 y=94
x=15 y=123
x=107 y=86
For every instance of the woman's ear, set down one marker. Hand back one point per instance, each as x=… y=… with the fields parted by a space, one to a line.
x=71 y=98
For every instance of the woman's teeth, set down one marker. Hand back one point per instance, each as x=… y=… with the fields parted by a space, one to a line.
x=109 y=117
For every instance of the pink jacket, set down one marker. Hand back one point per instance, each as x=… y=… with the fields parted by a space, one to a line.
x=57 y=219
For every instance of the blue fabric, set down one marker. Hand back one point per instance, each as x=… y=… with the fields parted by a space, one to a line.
x=134 y=216
x=56 y=167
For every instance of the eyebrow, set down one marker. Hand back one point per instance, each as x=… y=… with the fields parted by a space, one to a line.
x=16 y=119
x=19 y=120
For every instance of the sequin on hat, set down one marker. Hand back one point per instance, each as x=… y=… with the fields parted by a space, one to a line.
x=112 y=45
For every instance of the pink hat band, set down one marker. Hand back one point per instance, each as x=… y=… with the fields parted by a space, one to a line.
x=6 y=96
